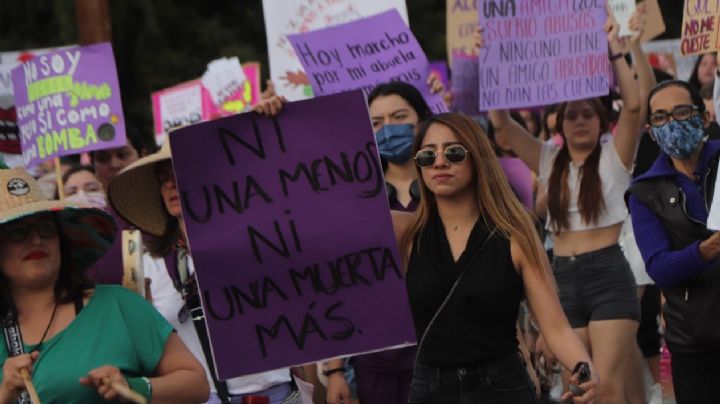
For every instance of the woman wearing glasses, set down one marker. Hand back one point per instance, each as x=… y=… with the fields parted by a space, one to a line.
x=669 y=207
x=79 y=342
x=472 y=253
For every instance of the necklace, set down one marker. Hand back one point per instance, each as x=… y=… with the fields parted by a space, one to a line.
x=52 y=317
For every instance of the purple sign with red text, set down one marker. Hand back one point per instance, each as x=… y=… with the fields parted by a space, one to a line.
x=364 y=53
x=291 y=235
x=540 y=53
x=68 y=102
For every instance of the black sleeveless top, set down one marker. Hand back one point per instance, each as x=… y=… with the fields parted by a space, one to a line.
x=477 y=325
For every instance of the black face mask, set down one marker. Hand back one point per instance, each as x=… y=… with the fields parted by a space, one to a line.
x=713 y=131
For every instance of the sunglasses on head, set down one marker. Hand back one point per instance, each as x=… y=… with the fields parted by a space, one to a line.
x=454 y=153
x=20 y=231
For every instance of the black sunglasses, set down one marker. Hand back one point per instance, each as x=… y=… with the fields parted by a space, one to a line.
x=20 y=231
x=454 y=153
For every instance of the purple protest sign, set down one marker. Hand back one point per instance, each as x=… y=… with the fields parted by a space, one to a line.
x=68 y=102
x=289 y=226
x=540 y=53
x=440 y=69
x=364 y=53
x=464 y=81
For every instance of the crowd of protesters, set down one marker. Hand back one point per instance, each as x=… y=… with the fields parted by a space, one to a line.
x=550 y=254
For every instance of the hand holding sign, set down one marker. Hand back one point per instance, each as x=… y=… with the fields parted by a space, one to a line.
x=638 y=22
x=300 y=200
x=538 y=53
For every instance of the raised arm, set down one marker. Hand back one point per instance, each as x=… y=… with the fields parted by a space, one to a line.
x=523 y=143
x=645 y=76
x=628 y=133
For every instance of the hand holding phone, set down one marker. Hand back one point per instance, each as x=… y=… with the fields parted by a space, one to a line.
x=582 y=369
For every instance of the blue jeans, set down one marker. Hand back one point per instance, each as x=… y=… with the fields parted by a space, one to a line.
x=500 y=382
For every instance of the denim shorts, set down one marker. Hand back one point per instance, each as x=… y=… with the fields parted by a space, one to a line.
x=595 y=286
x=500 y=382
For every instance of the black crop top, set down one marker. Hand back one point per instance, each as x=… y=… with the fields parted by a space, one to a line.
x=478 y=323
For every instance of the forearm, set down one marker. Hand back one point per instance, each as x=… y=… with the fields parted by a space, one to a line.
x=667 y=266
x=645 y=77
x=567 y=346
x=524 y=144
x=673 y=268
x=180 y=386
x=626 y=81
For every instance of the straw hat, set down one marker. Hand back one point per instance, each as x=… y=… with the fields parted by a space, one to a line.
x=89 y=231
x=135 y=193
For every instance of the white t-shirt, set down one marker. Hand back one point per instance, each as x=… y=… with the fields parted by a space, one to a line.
x=168 y=301
x=615 y=178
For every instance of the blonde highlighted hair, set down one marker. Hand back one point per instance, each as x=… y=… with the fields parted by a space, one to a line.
x=497 y=203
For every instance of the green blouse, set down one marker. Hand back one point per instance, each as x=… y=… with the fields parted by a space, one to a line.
x=117 y=327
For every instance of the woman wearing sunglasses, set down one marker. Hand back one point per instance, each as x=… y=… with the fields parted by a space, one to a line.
x=79 y=342
x=669 y=207
x=586 y=180
x=395 y=110
x=472 y=253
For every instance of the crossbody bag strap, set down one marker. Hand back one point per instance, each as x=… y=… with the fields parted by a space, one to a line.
x=449 y=295
x=14 y=346
x=178 y=271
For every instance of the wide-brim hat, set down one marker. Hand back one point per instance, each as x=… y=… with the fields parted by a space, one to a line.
x=135 y=193
x=88 y=231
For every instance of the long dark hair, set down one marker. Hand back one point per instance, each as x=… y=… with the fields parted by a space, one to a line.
x=71 y=285
x=591 y=202
x=694 y=79
x=165 y=243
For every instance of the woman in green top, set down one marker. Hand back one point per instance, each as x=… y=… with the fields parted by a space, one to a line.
x=78 y=342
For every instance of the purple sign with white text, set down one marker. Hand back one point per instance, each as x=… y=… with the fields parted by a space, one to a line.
x=364 y=53
x=68 y=102
x=291 y=235
x=540 y=53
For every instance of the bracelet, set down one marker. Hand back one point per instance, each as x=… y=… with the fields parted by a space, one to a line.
x=141 y=385
x=616 y=56
x=328 y=372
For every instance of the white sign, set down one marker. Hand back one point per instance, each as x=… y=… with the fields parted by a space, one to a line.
x=622 y=11
x=9 y=61
x=284 y=17
x=684 y=64
x=713 y=221
x=223 y=78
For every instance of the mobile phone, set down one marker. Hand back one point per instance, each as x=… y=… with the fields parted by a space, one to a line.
x=583 y=371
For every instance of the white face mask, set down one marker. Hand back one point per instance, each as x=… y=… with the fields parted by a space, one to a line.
x=94 y=199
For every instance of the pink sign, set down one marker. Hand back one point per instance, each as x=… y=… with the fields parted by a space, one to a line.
x=189 y=102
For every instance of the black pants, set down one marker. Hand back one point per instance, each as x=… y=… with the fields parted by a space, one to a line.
x=696 y=376
x=505 y=381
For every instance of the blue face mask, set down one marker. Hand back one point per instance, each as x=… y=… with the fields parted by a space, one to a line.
x=394 y=142
x=680 y=139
